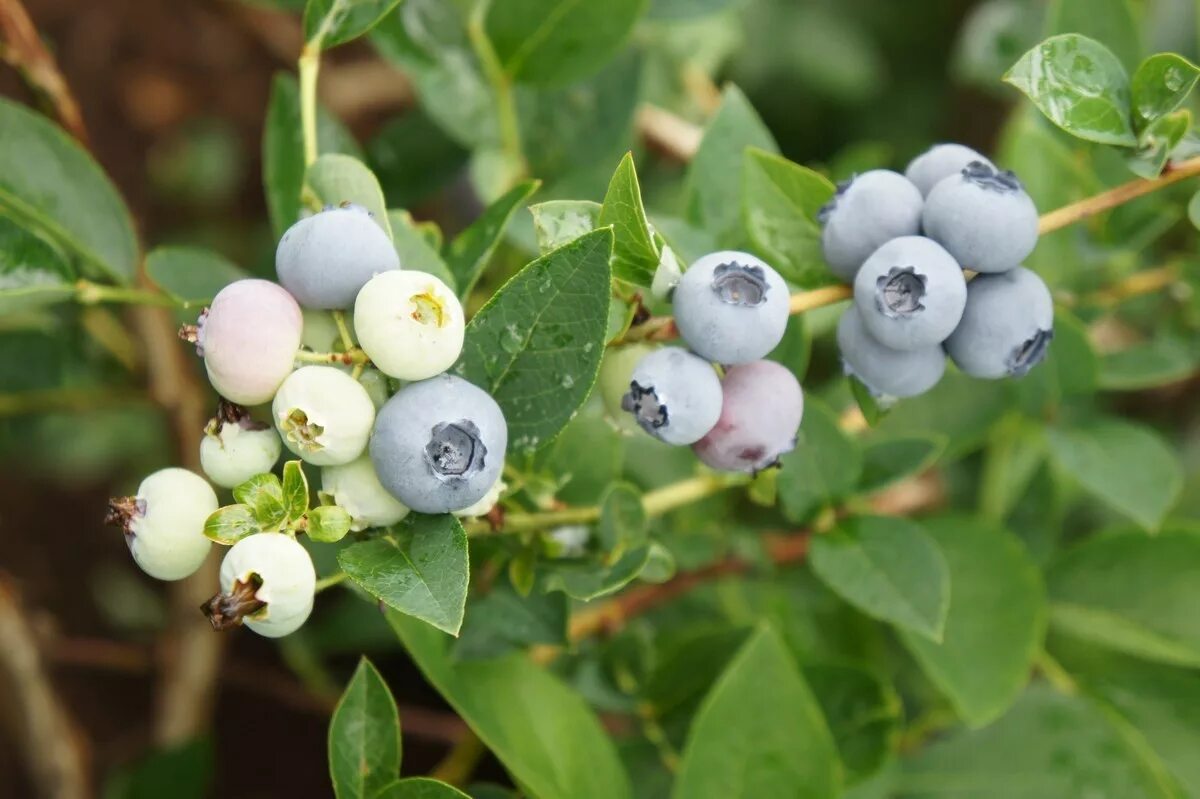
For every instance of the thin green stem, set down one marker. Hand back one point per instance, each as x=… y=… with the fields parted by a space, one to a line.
x=459 y=763
x=89 y=293
x=68 y=400
x=351 y=357
x=339 y=319
x=309 y=66
x=1055 y=674
x=330 y=581
x=493 y=70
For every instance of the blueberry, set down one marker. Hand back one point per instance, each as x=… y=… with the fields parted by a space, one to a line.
x=267 y=583
x=730 y=307
x=323 y=415
x=674 y=395
x=1007 y=326
x=983 y=218
x=484 y=506
x=910 y=293
x=888 y=373
x=355 y=487
x=760 y=415
x=164 y=522
x=248 y=337
x=438 y=445
x=235 y=447
x=410 y=324
x=616 y=370
x=939 y=162
x=866 y=212
x=325 y=259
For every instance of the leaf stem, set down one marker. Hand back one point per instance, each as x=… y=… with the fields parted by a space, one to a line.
x=460 y=762
x=308 y=66
x=89 y=293
x=493 y=70
x=339 y=319
x=329 y=582
x=351 y=357
x=1055 y=674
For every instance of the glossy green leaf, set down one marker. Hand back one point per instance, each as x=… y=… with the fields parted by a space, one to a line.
x=622 y=518
x=420 y=788
x=263 y=493
x=328 y=523
x=32 y=273
x=231 y=524
x=468 y=255
x=1132 y=593
x=995 y=623
x=328 y=23
x=889 y=568
x=501 y=620
x=189 y=275
x=1113 y=23
x=1080 y=86
x=1157 y=142
x=557 y=42
x=586 y=580
x=334 y=179
x=635 y=257
x=536 y=345
x=51 y=186
x=759 y=732
x=364 y=736
x=421 y=570
x=542 y=731
x=295 y=490
x=415 y=250
x=557 y=222
x=824 y=466
x=715 y=177
x=889 y=459
x=1125 y=465
x=780 y=200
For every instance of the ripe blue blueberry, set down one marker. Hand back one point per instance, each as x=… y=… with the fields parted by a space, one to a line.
x=867 y=211
x=674 y=395
x=938 y=163
x=438 y=445
x=323 y=415
x=983 y=218
x=325 y=259
x=760 y=415
x=235 y=447
x=910 y=293
x=616 y=369
x=164 y=522
x=267 y=583
x=888 y=373
x=730 y=307
x=1007 y=326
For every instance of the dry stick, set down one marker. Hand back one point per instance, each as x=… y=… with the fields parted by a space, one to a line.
x=22 y=48
x=56 y=754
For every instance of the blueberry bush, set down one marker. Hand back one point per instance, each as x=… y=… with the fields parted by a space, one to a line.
x=664 y=464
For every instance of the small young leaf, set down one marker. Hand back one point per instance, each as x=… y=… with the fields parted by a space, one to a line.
x=295 y=490
x=328 y=523
x=557 y=222
x=328 y=23
x=536 y=345
x=190 y=275
x=263 y=494
x=622 y=518
x=1160 y=85
x=415 y=250
x=868 y=404
x=422 y=570
x=334 y=179
x=586 y=580
x=889 y=568
x=419 y=788
x=468 y=255
x=1157 y=142
x=635 y=258
x=364 y=736
x=780 y=201
x=1080 y=86
x=231 y=524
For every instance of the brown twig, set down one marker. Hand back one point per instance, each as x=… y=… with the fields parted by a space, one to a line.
x=56 y=754
x=1108 y=200
x=23 y=50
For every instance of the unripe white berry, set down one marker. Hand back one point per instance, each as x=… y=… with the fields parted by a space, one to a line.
x=282 y=576
x=323 y=415
x=234 y=448
x=355 y=487
x=164 y=522
x=410 y=324
x=484 y=506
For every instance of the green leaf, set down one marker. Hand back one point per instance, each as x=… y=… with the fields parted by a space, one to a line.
x=587 y=580
x=263 y=493
x=1049 y=746
x=414 y=249
x=52 y=187
x=1080 y=86
x=468 y=255
x=283 y=150
x=364 y=736
x=889 y=459
x=780 y=201
x=888 y=568
x=190 y=275
x=501 y=620
x=1113 y=23
x=182 y=771
x=1070 y=369
x=759 y=732
x=422 y=570
x=328 y=23
x=622 y=518
x=557 y=222
x=824 y=466
x=1157 y=142
x=868 y=405
x=231 y=524
x=1124 y=465
x=334 y=179
x=32 y=273
x=420 y=788
x=536 y=345
x=1132 y=593
x=1159 y=362
x=328 y=523
x=995 y=623
x=295 y=490
x=715 y=176
x=635 y=258
x=557 y=42
x=863 y=712
x=541 y=730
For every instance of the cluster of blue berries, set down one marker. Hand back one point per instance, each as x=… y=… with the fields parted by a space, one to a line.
x=731 y=309
x=904 y=241
x=394 y=436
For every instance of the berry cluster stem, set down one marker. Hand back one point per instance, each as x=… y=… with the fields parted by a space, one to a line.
x=351 y=357
x=89 y=293
x=506 y=105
